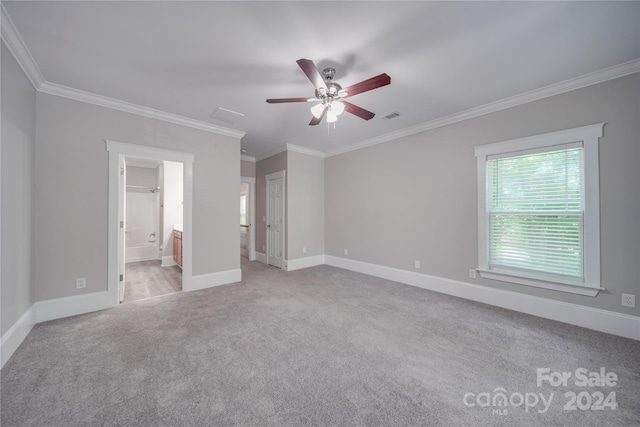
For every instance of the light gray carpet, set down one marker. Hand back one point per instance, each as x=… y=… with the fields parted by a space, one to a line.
x=316 y=347
x=146 y=279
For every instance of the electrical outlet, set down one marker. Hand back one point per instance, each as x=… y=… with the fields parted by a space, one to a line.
x=346 y=251
x=417 y=263
x=472 y=273
x=81 y=282
x=628 y=300
x=304 y=249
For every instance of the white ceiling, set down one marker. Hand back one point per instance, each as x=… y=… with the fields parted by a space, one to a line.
x=190 y=58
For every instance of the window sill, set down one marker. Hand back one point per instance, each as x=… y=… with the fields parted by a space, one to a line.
x=562 y=287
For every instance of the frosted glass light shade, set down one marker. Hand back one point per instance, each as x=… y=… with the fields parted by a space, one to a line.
x=331 y=116
x=337 y=107
x=317 y=110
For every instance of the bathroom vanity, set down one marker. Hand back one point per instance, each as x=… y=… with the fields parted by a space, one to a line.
x=177 y=245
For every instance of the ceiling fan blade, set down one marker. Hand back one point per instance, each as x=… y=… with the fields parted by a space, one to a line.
x=367 y=85
x=316 y=120
x=309 y=68
x=358 y=111
x=281 y=100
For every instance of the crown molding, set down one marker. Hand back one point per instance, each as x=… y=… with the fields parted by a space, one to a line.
x=294 y=148
x=247 y=158
x=103 y=101
x=585 y=80
x=18 y=49
x=280 y=149
x=304 y=150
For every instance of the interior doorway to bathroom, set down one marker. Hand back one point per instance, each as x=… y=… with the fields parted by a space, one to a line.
x=247 y=214
x=116 y=263
x=153 y=227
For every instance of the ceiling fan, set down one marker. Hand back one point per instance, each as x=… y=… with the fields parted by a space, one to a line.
x=330 y=94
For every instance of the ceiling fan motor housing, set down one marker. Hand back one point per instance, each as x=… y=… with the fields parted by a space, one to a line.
x=333 y=89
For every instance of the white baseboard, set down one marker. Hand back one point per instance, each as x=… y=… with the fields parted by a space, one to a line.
x=205 y=281
x=592 y=318
x=72 y=306
x=261 y=257
x=12 y=339
x=168 y=261
x=300 y=263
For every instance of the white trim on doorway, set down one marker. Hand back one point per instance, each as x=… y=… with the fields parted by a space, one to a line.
x=118 y=149
x=252 y=215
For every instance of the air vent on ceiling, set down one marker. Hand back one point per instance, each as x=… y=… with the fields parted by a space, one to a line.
x=392 y=115
x=227 y=116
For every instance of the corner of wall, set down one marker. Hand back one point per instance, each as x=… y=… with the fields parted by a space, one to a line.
x=17 y=333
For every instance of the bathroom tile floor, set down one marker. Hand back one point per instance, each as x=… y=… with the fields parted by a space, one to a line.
x=146 y=279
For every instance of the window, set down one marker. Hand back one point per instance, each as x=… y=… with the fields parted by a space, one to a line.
x=538 y=211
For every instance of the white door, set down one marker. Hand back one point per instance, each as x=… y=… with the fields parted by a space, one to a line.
x=122 y=218
x=275 y=219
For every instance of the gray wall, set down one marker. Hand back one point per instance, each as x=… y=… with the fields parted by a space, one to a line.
x=414 y=198
x=304 y=202
x=17 y=186
x=263 y=168
x=305 y=212
x=247 y=169
x=71 y=189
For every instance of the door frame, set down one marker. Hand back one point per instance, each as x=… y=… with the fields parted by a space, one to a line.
x=252 y=215
x=122 y=216
x=115 y=245
x=269 y=177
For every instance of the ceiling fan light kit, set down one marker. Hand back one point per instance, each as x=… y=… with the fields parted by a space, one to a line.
x=329 y=93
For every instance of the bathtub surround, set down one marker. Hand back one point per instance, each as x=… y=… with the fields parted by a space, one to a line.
x=322 y=346
x=143 y=234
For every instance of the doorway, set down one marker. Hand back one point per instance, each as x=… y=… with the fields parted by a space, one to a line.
x=247 y=215
x=118 y=153
x=153 y=215
x=275 y=219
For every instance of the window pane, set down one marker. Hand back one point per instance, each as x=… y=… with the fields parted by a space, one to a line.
x=547 y=182
x=535 y=213
x=542 y=243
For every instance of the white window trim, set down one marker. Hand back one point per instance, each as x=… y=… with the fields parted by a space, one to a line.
x=589 y=137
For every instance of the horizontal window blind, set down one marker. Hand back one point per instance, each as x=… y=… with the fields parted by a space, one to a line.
x=535 y=213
